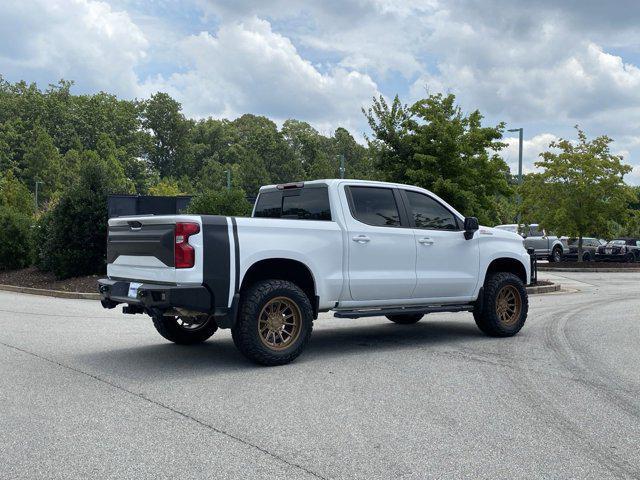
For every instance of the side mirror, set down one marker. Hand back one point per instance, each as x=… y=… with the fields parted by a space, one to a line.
x=470 y=226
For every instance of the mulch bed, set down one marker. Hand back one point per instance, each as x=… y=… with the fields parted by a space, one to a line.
x=590 y=265
x=542 y=283
x=34 y=278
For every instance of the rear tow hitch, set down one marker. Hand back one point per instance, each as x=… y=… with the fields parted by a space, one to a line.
x=132 y=309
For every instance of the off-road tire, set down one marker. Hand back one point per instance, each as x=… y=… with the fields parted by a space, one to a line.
x=245 y=332
x=169 y=328
x=630 y=258
x=405 y=319
x=556 y=255
x=486 y=312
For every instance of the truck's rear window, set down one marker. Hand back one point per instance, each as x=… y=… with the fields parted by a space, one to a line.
x=300 y=204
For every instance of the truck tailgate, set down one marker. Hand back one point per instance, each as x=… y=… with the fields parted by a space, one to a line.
x=142 y=248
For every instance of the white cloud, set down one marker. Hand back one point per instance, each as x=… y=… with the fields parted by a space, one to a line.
x=83 y=40
x=544 y=65
x=531 y=80
x=531 y=150
x=633 y=178
x=246 y=67
x=373 y=36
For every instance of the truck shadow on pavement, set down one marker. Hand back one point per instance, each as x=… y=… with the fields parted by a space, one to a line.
x=356 y=339
x=220 y=354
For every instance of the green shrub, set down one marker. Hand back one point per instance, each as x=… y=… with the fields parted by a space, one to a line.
x=15 y=251
x=38 y=240
x=221 y=202
x=71 y=237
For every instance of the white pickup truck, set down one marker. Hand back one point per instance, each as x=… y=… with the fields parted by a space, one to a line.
x=359 y=248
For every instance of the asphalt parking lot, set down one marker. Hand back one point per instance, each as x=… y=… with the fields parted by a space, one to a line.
x=86 y=392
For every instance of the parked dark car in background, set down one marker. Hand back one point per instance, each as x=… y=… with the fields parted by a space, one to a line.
x=589 y=248
x=619 y=250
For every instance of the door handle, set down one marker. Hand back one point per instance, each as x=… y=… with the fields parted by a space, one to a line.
x=426 y=241
x=361 y=239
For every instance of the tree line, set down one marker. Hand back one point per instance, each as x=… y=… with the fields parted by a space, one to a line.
x=77 y=149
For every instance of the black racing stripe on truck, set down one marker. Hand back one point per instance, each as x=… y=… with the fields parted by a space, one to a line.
x=236 y=245
x=217 y=258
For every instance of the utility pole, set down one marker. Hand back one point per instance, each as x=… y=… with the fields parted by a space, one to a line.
x=341 y=165
x=518 y=198
x=37 y=183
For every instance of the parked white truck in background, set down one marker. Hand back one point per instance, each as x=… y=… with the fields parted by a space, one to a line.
x=359 y=248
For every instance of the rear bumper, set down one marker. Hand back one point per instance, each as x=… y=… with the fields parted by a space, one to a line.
x=155 y=296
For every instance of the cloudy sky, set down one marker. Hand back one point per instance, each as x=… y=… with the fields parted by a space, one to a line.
x=543 y=65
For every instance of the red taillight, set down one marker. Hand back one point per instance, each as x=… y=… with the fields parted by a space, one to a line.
x=184 y=254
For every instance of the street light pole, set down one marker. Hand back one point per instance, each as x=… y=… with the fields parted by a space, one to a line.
x=519 y=130
x=37 y=183
x=518 y=198
x=228 y=172
x=341 y=166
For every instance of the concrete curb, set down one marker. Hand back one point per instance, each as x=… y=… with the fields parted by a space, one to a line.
x=538 y=289
x=51 y=293
x=591 y=270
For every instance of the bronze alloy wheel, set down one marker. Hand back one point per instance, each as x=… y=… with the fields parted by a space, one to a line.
x=279 y=323
x=508 y=305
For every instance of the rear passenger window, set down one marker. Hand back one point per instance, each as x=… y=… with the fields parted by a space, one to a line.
x=269 y=204
x=311 y=204
x=299 y=204
x=429 y=214
x=375 y=206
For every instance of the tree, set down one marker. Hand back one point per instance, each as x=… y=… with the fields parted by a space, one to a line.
x=357 y=160
x=251 y=173
x=432 y=144
x=167 y=187
x=579 y=190
x=261 y=135
x=211 y=139
x=212 y=176
x=72 y=234
x=42 y=162
x=169 y=152
x=310 y=150
x=221 y=202
x=14 y=195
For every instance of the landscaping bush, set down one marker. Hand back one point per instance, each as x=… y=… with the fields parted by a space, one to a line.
x=72 y=237
x=221 y=202
x=38 y=240
x=15 y=251
x=75 y=234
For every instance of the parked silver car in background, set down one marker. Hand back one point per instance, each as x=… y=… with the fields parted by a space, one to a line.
x=544 y=244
